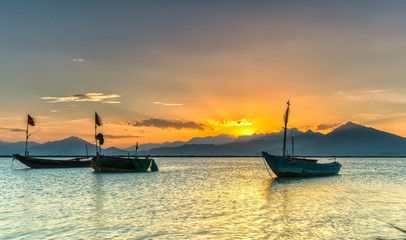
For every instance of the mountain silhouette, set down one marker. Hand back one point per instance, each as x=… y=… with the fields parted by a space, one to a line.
x=349 y=139
x=68 y=146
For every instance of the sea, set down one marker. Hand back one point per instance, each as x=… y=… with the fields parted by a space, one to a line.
x=204 y=198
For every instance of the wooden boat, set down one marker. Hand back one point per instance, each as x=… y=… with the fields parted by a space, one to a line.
x=289 y=166
x=33 y=162
x=285 y=166
x=116 y=164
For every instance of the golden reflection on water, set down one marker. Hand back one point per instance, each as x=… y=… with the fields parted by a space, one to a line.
x=199 y=198
x=302 y=207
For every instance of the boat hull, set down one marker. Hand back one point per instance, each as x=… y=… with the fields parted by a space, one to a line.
x=110 y=164
x=287 y=167
x=51 y=163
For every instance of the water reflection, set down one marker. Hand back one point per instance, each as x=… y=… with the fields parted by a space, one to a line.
x=97 y=217
x=195 y=198
x=302 y=207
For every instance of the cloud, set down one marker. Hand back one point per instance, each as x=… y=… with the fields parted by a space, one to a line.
x=322 y=127
x=163 y=123
x=12 y=129
x=78 y=60
x=168 y=104
x=238 y=123
x=87 y=97
x=387 y=119
x=118 y=137
x=380 y=95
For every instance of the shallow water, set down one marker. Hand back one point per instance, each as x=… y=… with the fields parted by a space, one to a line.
x=204 y=198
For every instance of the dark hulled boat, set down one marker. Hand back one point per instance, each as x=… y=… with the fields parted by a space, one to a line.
x=111 y=164
x=116 y=164
x=33 y=162
x=289 y=166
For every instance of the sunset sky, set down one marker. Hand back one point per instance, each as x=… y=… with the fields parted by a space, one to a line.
x=159 y=71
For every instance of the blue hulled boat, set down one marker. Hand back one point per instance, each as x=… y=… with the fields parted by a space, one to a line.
x=285 y=166
x=289 y=166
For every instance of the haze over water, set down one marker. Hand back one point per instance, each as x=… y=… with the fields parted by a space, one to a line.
x=204 y=198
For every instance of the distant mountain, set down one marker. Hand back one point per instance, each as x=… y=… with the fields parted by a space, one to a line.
x=216 y=140
x=220 y=139
x=148 y=146
x=240 y=146
x=18 y=147
x=356 y=140
x=350 y=139
x=114 y=151
x=68 y=146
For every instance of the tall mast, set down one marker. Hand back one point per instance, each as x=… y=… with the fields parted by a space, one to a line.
x=95 y=137
x=293 y=143
x=26 y=141
x=285 y=118
x=30 y=121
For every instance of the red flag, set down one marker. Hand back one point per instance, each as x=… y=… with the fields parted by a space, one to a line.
x=97 y=119
x=30 y=120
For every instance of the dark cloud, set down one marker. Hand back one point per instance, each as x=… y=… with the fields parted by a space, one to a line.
x=13 y=129
x=327 y=126
x=82 y=96
x=163 y=123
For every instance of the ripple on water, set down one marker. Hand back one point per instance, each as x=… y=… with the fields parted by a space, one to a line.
x=204 y=198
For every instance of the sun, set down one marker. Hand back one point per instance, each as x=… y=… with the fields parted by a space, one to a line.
x=247 y=131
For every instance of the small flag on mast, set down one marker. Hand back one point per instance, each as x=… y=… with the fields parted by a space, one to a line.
x=97 y=120
x=30 y=120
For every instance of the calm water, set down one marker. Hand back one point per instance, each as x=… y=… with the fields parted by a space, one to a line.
x=204 y=198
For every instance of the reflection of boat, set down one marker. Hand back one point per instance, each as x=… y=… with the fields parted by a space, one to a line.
x=289 y=166
x=52 y=163
x=117 y=164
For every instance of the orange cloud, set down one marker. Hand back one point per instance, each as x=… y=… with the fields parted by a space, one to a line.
x=168 y=104
x=238 y=123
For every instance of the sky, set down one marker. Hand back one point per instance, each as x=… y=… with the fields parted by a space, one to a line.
x=158 y=71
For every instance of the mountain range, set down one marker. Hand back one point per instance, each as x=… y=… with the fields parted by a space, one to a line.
x=349 y=139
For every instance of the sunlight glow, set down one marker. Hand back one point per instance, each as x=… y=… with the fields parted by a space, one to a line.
x=245 y=132
x=238 y=123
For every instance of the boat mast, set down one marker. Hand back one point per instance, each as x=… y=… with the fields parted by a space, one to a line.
x=26 y=141
x=285 y=118
x=30 y=121
x=293 y=143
